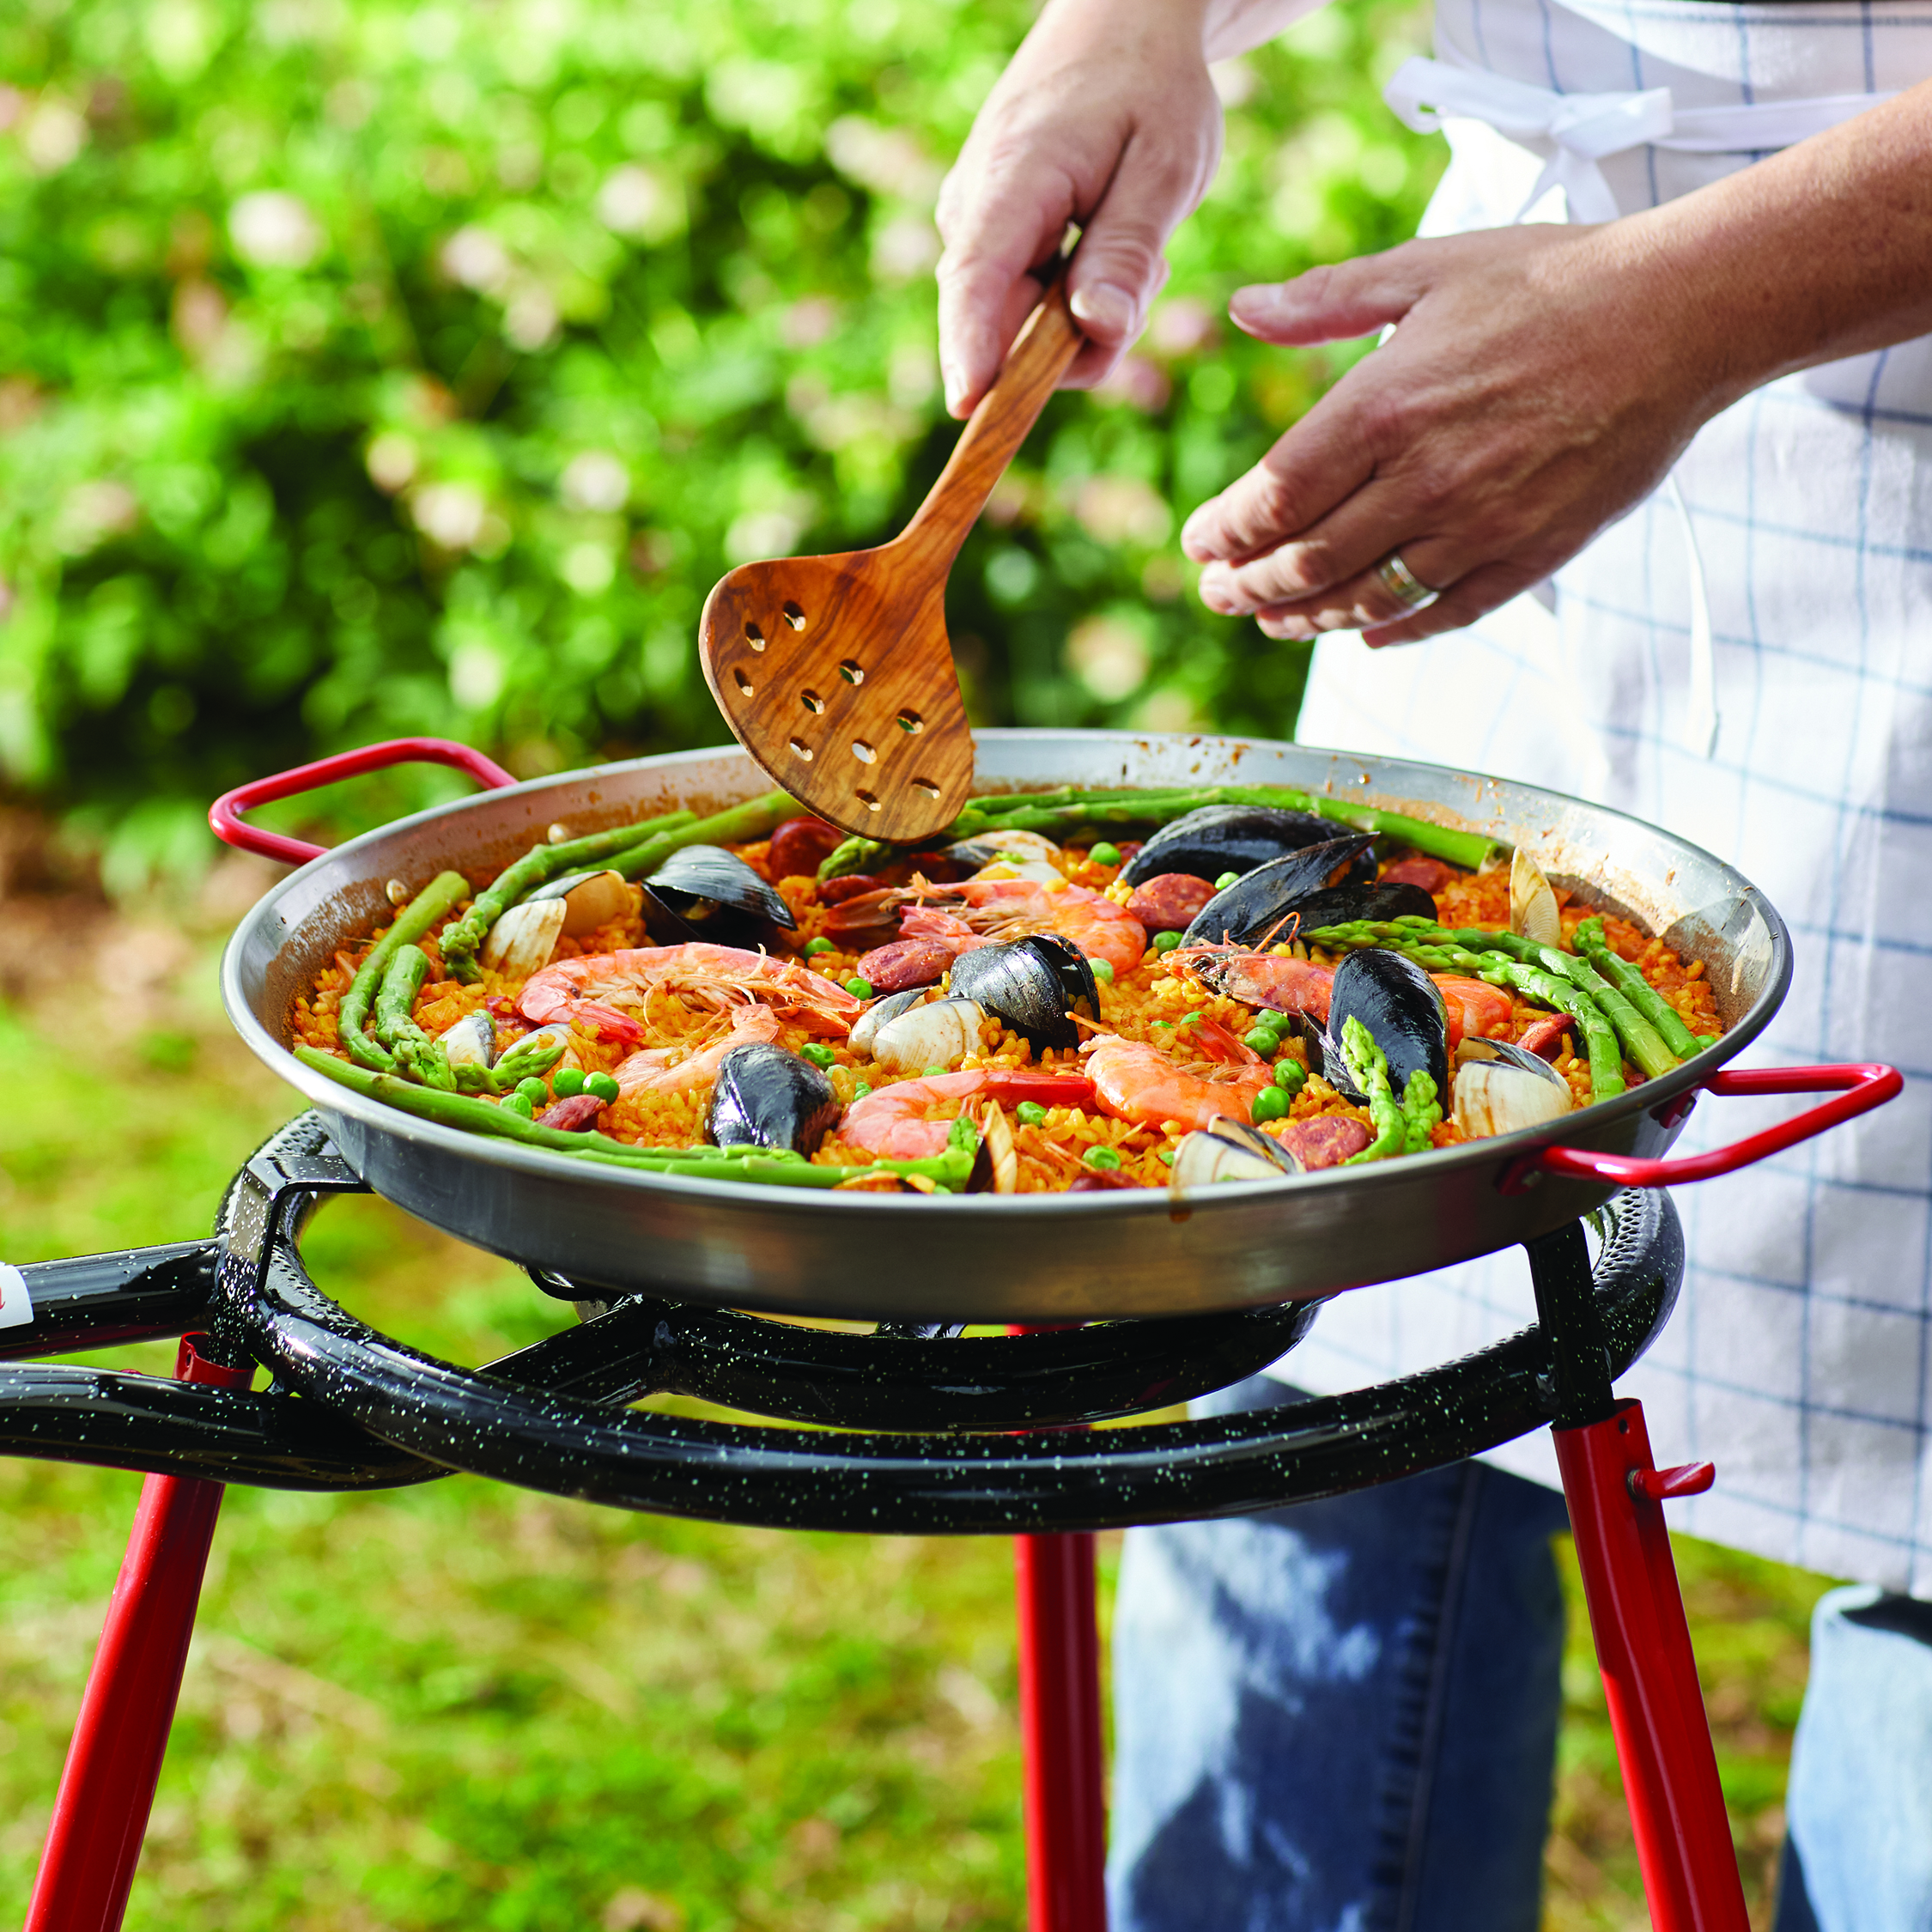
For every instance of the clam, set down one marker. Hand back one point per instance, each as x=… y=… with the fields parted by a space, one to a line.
x=1532 y=907
x=1016 y=848
x=1496 y=1097
x=590 y=900
x=521 y=941
x=536 y=1054
x=1033 y=985
x=1229 y=1150
x=1403 y=1010
x=472 y=1042
x=865 y=1029
x=705 y=892
x=764 y=1096
x=1231 y=838
x=1474 y=1046
x=1260 y=901
x=939 y=1034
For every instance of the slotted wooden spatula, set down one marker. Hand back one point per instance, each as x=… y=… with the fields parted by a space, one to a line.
x=835 y=672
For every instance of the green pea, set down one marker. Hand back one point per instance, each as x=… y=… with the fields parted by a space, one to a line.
x=819 y=1056
x=1271 y=1104
x=1289 y=1075
x=1102 y=1157
x=1166 y=942
x=602 y=1086
x=1030 y=1113
x=1189 y=1020
x=1226 y=879
x=860 y=1092
x=1262 y=1040
x=1104 y=854
x=520 y=1104
x=567 y=1082
x=858 y=988
x=933 y=1071
x=535 y=1092
x=1102 y=971
x=814 y=947
x=1165 y=1157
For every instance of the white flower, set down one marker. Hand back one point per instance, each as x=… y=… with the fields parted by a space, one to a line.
x=595 y=480
x=274 y=230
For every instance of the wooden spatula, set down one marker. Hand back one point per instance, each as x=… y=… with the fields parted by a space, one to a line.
x=835 y=672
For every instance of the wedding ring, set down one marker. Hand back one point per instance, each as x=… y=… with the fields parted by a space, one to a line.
x=1403 y=584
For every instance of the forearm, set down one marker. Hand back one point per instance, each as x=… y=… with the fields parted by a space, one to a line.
x=1233 y=27
x=1821 y=251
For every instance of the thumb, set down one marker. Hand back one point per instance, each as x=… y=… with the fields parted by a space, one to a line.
x=1119 y=268
x=1334 y=303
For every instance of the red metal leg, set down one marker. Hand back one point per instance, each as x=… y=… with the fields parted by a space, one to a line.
x=1059 y=1727
x=1649 y=1675
x=107 y=1788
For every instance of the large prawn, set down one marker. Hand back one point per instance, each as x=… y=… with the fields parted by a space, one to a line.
x=579 y=990
x=1134 y=1080
x=654 y=1070
x=891 y=1122
x=981 y=912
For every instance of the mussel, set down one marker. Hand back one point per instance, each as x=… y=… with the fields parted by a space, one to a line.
x=705 y=892
x=1235 y=838
x=1401 y=1007
x=1314 y=886
x=765 y=1096
x=1229 y=1150
x=1033 y=985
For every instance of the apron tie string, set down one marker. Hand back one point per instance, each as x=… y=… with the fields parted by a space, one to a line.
x=1584 y=129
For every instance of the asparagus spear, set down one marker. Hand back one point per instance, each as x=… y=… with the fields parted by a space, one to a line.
x=631 y=850
x=1595 y=946
x=1056 y=813
x=414 y=1051
x=783 y=1168
x=440 y=895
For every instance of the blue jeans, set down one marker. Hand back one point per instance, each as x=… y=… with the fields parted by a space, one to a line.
x=1342 y=1717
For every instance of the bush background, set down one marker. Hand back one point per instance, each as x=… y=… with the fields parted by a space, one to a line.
x=378 y=369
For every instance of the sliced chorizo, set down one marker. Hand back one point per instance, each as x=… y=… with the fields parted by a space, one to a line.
x=801 y=846
x=905 y=963
x=1167 y=902
x=1326 y=1140
x=577 y=1115
x=1431 y=874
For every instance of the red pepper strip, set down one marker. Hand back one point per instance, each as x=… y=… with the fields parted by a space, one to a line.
x=1044 y=1090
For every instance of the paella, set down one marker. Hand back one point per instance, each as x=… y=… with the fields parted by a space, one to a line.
x=1069 y=991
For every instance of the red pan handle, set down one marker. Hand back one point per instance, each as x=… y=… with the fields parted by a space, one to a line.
x=1860 y=1086
x=225 y=814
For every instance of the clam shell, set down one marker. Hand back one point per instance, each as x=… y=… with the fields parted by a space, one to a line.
x=590 y=900
x=939 y=1035
x=1533 y=907
x=472 y=1042
x=521 y=941
x=1229 y=1150
x=1496 y=1097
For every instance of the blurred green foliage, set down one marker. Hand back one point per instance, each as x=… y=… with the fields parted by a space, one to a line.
x=380 y=367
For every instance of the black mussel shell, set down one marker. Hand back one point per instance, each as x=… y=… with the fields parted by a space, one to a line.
x=1235 y=838
x=1033 y=985
x=767 y=1098
x=1402 y=1008
x=1339 y=905
x=702 y=882
x=1258 y=902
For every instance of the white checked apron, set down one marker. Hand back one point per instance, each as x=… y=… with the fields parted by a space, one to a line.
x=1799 y=1359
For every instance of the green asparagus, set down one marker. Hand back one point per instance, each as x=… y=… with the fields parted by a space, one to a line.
x=439 y=897
x=415 y=1054
x=1592 y=941
x=949 y=1170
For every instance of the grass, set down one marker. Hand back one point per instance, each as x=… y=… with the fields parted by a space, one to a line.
x=465 y=1704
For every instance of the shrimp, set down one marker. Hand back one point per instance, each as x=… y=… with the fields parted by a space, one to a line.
x=1134 y=1081
x=891 y=1122
x=1476 y=1009
x=578 y=989
x=996 y=909
x=654 y=1071
x=1261 y=979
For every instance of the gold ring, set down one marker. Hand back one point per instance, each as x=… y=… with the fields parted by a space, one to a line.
x=1403 y=584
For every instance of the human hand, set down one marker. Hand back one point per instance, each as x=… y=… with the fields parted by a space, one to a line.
x=1106 y=117
x=1542 y=380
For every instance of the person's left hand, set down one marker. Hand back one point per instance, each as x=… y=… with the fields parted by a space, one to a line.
x=1542 y=380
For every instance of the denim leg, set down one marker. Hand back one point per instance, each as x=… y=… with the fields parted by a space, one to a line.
x=1340 y=1716
x=1859 y=1858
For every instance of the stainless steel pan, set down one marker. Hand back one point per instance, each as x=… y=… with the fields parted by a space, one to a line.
x=1034 y=1258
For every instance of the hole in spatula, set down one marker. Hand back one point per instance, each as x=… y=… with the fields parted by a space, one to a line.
x=794 y=617
x=927 y=785
x=852 y=671
x=912 y=722
x=754 y=637
x=802 y=749
x=812 y=703
x=743 y=682
x=862 y=751
x=870 y=803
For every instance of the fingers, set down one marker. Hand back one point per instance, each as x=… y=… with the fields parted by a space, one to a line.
x=1339 y=301
x=1316 y=465
x=1367 y=605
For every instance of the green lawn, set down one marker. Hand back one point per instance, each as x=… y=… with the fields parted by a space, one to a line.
x=468 y=1705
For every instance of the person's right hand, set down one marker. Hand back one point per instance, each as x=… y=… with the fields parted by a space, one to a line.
x=1107 y=118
